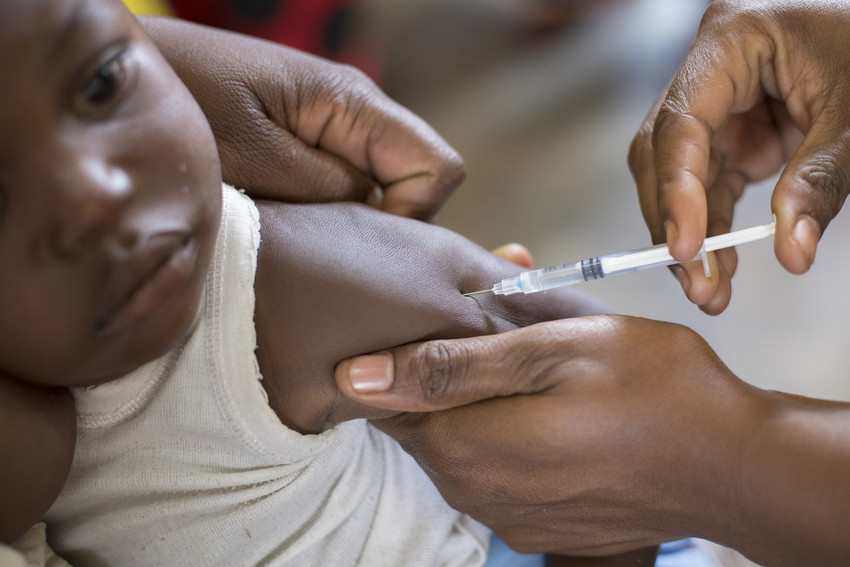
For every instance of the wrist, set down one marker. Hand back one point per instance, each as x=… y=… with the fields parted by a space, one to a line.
x=712 y=485
x=790 y=484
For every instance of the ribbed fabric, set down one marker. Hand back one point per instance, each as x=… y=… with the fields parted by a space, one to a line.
x=183 y=462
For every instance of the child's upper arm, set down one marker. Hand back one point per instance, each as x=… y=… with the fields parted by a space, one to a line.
x=37 y=436
x=337 y=280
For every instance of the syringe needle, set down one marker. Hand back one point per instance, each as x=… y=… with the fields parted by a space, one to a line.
x=477 y=292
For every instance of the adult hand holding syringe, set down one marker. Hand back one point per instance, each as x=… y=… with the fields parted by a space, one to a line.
x=618 y=263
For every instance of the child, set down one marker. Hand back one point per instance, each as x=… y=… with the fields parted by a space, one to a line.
x=129 y=272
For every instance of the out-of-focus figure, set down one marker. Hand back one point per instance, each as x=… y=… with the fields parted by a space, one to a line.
x=321 y=27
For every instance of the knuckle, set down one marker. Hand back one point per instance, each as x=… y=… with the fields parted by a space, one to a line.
x=345 y=79
x=346 y=89
x=454 y=166
x=673 y=115
x=718 y=10
x=437 y=365
x=639 y=147
x=447 y=176
x=720 y=14
x=444 y=175
x=451 y=172
x=827 y=183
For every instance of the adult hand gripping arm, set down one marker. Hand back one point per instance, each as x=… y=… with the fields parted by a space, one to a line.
x=294 y=127
x=597 y=435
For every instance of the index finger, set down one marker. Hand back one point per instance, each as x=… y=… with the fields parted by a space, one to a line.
x=417 y=169
x=717 y=79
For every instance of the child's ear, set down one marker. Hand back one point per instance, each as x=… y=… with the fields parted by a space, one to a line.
x=516 y=253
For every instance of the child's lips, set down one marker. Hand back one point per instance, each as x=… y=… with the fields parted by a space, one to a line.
x=146 y=281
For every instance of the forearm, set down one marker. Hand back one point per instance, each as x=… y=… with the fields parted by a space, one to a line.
x=795 y=486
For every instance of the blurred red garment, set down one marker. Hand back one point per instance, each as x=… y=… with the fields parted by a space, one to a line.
x=321 y=27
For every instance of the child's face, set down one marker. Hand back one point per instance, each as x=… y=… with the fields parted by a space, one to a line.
x=110 y=194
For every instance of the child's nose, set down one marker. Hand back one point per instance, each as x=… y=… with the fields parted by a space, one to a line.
x=89 y=196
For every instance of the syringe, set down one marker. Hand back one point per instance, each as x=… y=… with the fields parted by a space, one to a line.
x=620 y=263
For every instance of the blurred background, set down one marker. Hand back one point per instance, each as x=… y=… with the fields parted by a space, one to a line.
x=542 y=98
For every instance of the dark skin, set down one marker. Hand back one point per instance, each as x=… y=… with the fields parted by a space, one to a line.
x=335 y=280
x=294 y=127
x=32 y=416
x=114 y=192
x=658 y=438
x=411 y=301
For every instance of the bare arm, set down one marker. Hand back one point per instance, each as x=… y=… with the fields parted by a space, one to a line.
x=336 y=280
x=342 y=279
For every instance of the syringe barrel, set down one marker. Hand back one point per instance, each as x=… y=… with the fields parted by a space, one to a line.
x=621 y=263
x=552 y=277
x=584 y=270
x=634 y=260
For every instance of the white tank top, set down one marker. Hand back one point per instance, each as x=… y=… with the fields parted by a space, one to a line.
x=183 y=462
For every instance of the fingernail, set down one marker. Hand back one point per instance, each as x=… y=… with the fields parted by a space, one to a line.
x=672 y=232
x=371 y=374
x=805 y=235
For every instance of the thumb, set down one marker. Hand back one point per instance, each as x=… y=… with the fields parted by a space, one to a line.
x=808 y=195
x=442 y=374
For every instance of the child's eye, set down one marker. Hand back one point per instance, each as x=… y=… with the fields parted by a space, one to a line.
x=102 y=87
